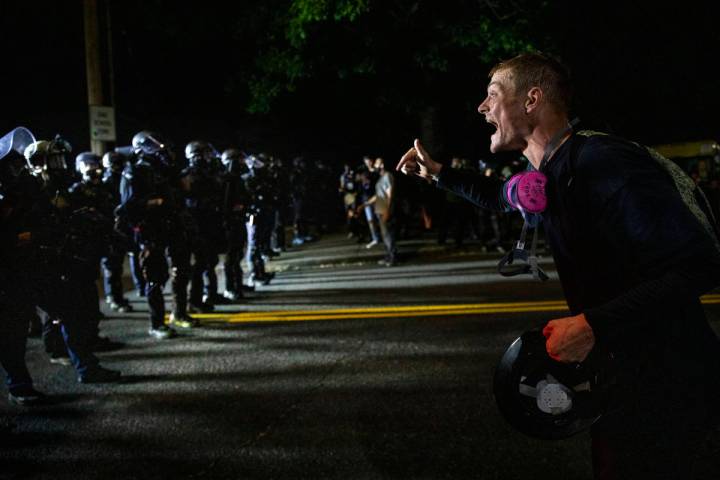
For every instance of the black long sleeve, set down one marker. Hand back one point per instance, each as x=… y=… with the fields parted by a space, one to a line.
x=672 y=253
x=485 y=192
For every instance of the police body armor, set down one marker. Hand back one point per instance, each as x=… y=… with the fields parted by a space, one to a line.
x=260 y=189
x=236 y=200
x=155 y=223
x=202 y=190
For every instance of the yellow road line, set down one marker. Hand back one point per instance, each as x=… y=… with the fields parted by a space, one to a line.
x=431 y=313
x=391 y=309
x=399 y=311
x=408 y=308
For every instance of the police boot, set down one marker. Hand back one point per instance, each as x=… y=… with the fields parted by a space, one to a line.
x=262 y=277
x=120 y=305
x=182 y=320
x=233 y=295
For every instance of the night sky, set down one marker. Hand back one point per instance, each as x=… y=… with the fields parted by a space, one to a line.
x=642 y=71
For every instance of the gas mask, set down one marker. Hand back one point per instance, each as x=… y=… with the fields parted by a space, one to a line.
x=525 y=192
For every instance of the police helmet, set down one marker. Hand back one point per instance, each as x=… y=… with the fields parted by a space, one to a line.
x=43 y=155
x=89 y=166
x=547 y=399
x=113 y=162
x=276 y=162
x=147 y=142
x=197 y=151
x=254 y=162
x=149 y=145
x=233 y=159
x=299 y=162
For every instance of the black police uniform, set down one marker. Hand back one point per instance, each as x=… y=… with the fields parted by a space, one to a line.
x=15 y=306
x=112 y=266
x=96 y=197
x=280 y=201
x=235 y=205
x=259 y=221
x=58 y=262
x=202 y=191
x=299 y=197
x=148 y=206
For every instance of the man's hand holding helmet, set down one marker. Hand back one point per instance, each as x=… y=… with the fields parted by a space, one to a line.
x=569 y=339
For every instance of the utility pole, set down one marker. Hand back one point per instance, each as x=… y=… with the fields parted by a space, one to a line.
x=102 y=118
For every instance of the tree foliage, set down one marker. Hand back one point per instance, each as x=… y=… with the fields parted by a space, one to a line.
x=395 y=48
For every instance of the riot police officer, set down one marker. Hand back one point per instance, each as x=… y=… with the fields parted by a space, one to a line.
x=148 y=205
x=235 y=205
x=114 y=163
x=259 y=219
x=280 y=202
x=92 y=195
x=299 y=194
x=201 y=189
x=62 y=245
x=15 y=307
x=47 y=186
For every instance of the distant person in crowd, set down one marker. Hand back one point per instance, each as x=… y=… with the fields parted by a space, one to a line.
x=280 y=204
x=367 y=179
x=300 y=195
x=384 y=203
x=348 y=192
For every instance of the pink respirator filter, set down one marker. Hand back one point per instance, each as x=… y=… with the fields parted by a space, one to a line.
x=526 y=192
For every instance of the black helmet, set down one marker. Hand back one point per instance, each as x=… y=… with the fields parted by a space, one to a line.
x=113 y=162
x=276 y=162
x=233 y=160
x=254 y=162
x=547 y=399
x=47 y=156
x=299 y=162
x=149 y=145
x=88 y=165
x=198 y=152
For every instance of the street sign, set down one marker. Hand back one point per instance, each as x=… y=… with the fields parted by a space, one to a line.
x=102 y=123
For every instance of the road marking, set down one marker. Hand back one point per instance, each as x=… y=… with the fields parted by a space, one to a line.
x=398 y=311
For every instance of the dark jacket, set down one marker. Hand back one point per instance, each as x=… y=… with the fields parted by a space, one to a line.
x=629 y=252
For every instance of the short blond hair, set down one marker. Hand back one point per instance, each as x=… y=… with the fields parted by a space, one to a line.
x=536 y=69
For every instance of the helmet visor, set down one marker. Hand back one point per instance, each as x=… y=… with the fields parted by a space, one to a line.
x=17 y=140
x=151 y=145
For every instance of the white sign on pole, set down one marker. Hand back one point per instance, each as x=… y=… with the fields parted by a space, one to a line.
x=102 y=123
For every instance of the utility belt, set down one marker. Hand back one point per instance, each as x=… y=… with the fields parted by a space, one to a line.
x=160 y=230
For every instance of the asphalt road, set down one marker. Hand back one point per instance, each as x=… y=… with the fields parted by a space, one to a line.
x=314 y=376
